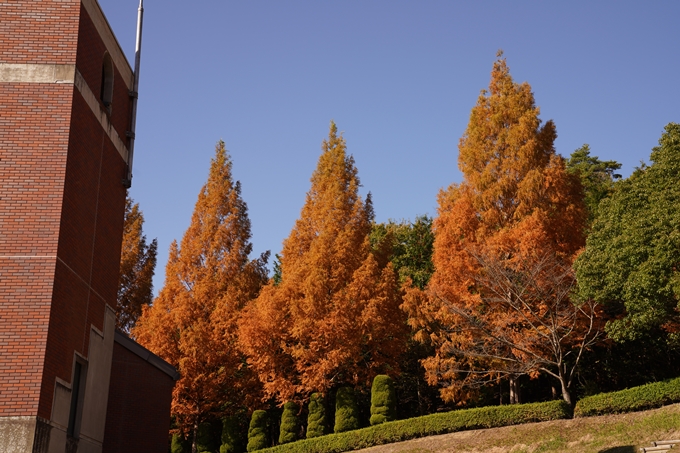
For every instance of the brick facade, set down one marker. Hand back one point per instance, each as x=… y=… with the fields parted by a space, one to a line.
x=63 y=156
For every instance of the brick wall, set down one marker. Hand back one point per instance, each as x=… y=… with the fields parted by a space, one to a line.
x=34 y=124
x=138 y=413
x=39 y=31
x=61 y=202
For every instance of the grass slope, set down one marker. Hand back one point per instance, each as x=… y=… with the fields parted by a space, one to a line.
x=622 y=433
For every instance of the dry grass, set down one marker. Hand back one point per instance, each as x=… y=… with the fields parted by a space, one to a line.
x=623 y=433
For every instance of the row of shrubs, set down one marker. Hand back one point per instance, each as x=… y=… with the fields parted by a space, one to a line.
x=384 y=429
x=640 y=398
x=428 y=425
x=383 y=409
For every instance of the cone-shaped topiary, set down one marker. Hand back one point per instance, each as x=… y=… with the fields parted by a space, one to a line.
x=232 y=441
x=316 y=420
x=257 y=431
x=290 y=425
x=346 y=411
x=179 y=444
x=383 y=400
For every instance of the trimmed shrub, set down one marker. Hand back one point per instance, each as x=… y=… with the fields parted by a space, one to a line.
x=640 y=398
x=316 y=420
x=179 y=444
x=257 y=431
x=206 y=438
x=346 y=411
x=290 y=425
x=383 y=400
x=232 y=441
x=429 y=425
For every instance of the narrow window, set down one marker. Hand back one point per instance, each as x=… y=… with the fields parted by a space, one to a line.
x=77 y=394
x=106 y=94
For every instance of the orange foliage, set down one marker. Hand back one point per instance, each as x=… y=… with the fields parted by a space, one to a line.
x=192 y=322
x=334 y=318
x=516 y=209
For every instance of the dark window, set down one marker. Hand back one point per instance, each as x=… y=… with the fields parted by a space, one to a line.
x=77 y=394
x=106 y=94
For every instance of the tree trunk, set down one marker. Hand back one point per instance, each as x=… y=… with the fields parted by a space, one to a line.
x=515 y=397
x=565 y=392
x=194 y=438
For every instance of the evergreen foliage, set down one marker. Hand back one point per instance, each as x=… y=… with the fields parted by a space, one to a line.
x=179 y=444
x=346 y=410
x=258 y=431
x=207 y=440
x=409 y=248
x=640 y=398
x=430 y=425
x=597 y=177
x=231 y=437
x=383 y=400
x=290 y=424
x=316 y=418
x=632 y=257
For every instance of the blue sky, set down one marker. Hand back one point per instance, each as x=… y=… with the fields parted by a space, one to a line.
x=398 y=77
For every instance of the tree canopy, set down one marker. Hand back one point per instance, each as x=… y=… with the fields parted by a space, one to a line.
x=632 y=256
x=597 y=177
x=137 y=266
x=209 y=280
x=333 y=318
x=516 y=207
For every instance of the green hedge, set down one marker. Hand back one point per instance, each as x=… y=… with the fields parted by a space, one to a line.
x=634 y=399
x=449 y=422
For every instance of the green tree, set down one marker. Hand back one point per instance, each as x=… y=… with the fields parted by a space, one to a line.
x=290 y=424
x=597 y=177
x=233 y=434
x=346 y=410
x=632 y=254
x=316 y=419
x=137 y=266
x=383 y=400
x=409 y=248
x=258 y=431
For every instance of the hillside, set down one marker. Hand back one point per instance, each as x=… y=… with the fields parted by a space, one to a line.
x=623 y=433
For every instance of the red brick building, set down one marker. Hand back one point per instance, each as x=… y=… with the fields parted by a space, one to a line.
x=65 y=116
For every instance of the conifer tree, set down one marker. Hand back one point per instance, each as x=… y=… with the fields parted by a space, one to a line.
x=289 y=430
x=334 y=316
x=192 y=323
x=498 y=302
x=316 y=419
x=137 y=266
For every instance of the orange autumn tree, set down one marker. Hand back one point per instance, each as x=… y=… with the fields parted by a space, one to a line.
x=498 y=302
x=192 y=322
x=333 y=318
x=137 y=266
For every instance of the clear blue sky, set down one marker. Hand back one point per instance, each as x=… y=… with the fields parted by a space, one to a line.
x=398 y=77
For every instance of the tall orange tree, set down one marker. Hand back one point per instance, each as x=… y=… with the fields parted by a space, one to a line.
x=209 y=280
x=333 y=318
x=137 y=266
x=503 y=236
